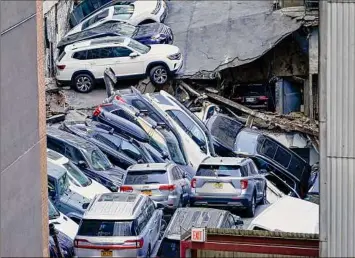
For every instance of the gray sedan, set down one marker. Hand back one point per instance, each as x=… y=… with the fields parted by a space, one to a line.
x=228 y=182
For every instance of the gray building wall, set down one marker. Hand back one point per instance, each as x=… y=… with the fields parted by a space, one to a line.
x=337 y=128
x=24 y=219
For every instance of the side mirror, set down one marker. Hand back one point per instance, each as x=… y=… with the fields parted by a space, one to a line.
x=82 y=164
x=159 y=206
x=133 y=55
x=85 y=205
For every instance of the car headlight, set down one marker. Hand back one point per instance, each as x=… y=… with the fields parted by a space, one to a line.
x=157 y=7
x=159 y=37
x=176 y=56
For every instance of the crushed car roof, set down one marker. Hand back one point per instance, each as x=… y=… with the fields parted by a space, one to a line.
x=211 y=42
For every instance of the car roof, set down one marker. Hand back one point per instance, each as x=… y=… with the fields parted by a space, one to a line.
x=150 y=166
x=55 y=170
x=115 y=206
x=70 y=138
x=303 y=215
x=56 y=157
x=186 y=218
x=98 y=42
x=229 y=161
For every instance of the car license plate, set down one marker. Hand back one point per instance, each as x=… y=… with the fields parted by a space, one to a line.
x=106 y=253
x=147 y=192
x=218 y=185
x=249 y=99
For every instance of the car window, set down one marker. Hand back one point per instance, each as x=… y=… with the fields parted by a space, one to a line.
x=63 y=184
x=78 y=176
x=121 y=52
x=221 y=171
x=282 y=157
x=140 y=105
x=139 y=47
x=151 y=208
x=142 y=221
x=53 y=213
x=104 y=139
x=56 y=145
x=146 y=177
x=80 y=55
x=93 y=53
x=268 y=148
x=99 y=161
x=74 y=154
x=189 y=127
x=175 y=173
x=51 y=184
x=98 y=17
x=122 y=114
x=225 y=130
x=106 y=228
x=130 y=150
x=107 y=52
x=296 y=166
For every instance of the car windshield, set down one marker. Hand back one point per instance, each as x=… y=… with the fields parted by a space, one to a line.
x=219 y=170
x=76 y=176
x=98 y=160
x=123 y=12
x=53 y=213
x=146 y=177
x=106 y=228
x=139 y=47
x=63 y=184
x=225 y=130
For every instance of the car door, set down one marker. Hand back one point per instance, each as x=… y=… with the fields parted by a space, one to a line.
x=99 y=59
x=126 y=65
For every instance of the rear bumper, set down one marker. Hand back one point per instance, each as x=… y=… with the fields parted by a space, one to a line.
x=215 y=201
x=63 y=82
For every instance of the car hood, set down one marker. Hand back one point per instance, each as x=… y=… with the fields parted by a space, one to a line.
x=149 y=30
x=91 y=190
x=65 y=225
x=141 y=7
x=74 y=200
x=163 y=49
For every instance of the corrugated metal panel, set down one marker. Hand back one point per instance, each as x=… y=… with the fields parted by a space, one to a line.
x=337 y=89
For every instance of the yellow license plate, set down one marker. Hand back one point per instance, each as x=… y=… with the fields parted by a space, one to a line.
x=218 y=185
x=149 y=193
x=106 y=253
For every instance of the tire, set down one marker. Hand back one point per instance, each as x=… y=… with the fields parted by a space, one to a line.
x=264 y=199
x=250 y=212
x=159 y=75
x=83 y=82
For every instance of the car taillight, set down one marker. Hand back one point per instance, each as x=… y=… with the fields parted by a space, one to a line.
x=263 y=98
x=118 y=98
x=244 y=184
x=193 y=183
x=125 y=188
x=61 y=67
x=97 y=112
x=133 y=244
x=167 y=187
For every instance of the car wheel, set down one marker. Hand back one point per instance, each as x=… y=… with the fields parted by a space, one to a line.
x=264 y=199
x=251 y=208
x=158 y=75
x=83 y=83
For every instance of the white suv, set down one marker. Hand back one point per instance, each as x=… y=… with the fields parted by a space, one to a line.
x=82 y=63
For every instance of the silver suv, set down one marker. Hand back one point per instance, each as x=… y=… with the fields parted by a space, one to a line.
x=164 y=183
x=228 y=182
x=119 y=225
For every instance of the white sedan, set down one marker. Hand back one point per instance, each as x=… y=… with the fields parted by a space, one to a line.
x=138 y=12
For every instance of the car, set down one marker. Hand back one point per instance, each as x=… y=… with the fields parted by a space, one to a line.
x=164 y=183
x=65 y=243
x=62 y=223
x=88 y=157
x=194 y=134
x=121 y=150
x=266 y=152
x=83 y=63
x=78 y=181
x=230 y=183
x=148 y=34
x=288 y=214
x=119 y=225
x=186 y=218
x=160 y=137
x=136 y=13
x=252 y=96
x=68 y=202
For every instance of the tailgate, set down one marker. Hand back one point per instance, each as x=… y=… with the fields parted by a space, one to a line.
x=218 y=185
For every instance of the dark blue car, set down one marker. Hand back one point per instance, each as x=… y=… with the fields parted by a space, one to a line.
x=65 y=243
x=153 y=33
x=88 y=157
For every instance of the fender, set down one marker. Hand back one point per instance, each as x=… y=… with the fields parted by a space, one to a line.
x=156 y=63
x=82 y=71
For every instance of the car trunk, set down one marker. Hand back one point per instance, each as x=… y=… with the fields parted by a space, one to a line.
x=218 y=185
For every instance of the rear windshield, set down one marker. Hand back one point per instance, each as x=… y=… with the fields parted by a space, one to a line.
x=60 y=57
x=146 y=177
x=220 y=170
x=106 y=228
